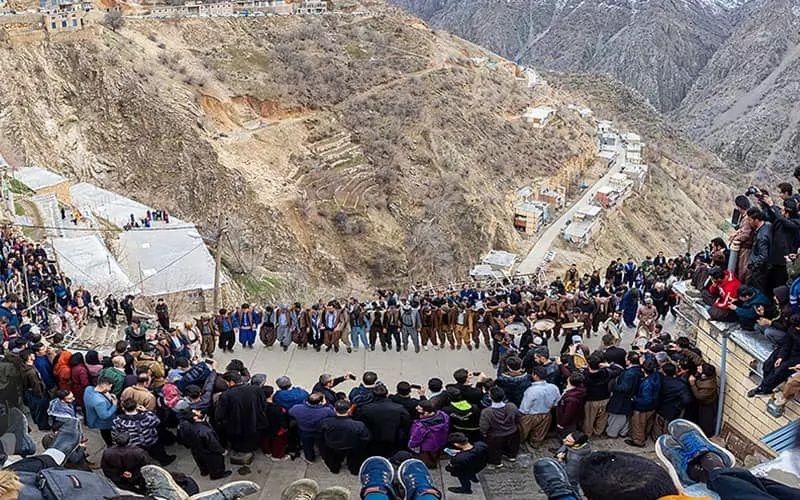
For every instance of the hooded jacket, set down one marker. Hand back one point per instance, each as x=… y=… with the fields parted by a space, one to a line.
x=464 y=416
x=747 y=310
x=430 y=433
x=514 y=384
x=499 y=421
x=569 y=410
x=647 y=397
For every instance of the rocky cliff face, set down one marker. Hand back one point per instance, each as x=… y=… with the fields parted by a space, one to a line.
x=657 y=47
x=744 y=105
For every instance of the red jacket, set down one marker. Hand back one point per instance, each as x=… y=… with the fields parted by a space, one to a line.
x=726 y=292
x=569 y=410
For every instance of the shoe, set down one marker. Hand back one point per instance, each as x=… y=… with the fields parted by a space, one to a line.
x=68 y=437
x=349 y=350
x=552 y=479
x=228 y=491
x=755 y=391
x=469 y=347
x=426 y=347
x=222 y=476
x=416 y=349
x=671 y=454
x=512 y=460
x=169 y=460
x=328 y=349
x=398 y=348
x=317 y=348
x=285 y=348
x=18 y=426
x=382 y=347
x=631 y=442
x=376 y=475
x=459 y=490
x=302 y=489
x=416 y=479
x=160 y=484
x=334 y=493
x=282 y=459
x=336 y=348
x=694 y=442
x=405 y=347
x=496 y=466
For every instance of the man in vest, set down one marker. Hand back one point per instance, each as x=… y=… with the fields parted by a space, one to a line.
x=410 y=323
x=225 y=329
x=245 y=322
x=208 y=335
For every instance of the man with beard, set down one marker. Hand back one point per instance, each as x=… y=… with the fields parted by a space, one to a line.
x=241 y=413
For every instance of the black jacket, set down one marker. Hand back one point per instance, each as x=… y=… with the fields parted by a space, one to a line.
x=597 y=383
x=616 y=355
x=675 y=396
x=344 y=433
x=623 y=390
x=330 y=396
x=464 y=416
x=409 y=403
x=200 y=437
x=785 y=235
x=242 y=410
x=467 y=463
x=119 y=459
x=471 y=394
x=387 y=422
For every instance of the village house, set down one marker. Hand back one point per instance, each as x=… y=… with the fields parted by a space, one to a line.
x=310 y=8
x=585 y=222
x=42 y=181
x=500 y=260
x=609 y=157
x=637 y=174
x=530 y=216
x=538 y=116
x=633 y=147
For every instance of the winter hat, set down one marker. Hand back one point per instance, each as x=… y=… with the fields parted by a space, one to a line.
x=790 y=205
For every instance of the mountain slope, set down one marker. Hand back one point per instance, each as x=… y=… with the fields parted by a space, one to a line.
x=657 y=47
x=347 y=152
x=745 y=108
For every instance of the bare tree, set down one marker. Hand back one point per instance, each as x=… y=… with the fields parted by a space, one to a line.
x=113 y=20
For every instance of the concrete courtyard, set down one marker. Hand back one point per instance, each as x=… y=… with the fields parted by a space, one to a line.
x=515 y=481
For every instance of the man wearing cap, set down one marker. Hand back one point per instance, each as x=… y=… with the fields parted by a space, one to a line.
x=647 y=315
x=410 y=323
x=245 y=322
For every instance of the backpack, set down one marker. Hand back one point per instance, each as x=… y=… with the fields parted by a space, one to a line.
x=63 y=484
x=794 y=295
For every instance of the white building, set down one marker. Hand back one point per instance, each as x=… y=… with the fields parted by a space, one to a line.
x=538 y=116
x=633 y=147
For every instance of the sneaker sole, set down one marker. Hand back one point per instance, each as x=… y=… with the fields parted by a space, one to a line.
x=673 y=474
x=229 y=491
x=334 y=493
x=717 y=448
x=381 y=459
x=161 y=483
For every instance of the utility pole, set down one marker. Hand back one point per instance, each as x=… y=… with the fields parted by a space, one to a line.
x=221 y=229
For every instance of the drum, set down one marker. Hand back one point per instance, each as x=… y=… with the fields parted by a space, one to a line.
x=516 y=328
x=544 y=325
x=577 y=325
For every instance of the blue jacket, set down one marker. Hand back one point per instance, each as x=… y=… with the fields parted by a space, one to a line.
x=623 y=391
x=13 y=318
x=648 y=395
x=514 y=386
x=287 y=398
x=45 y=369
x=747 y=311
x=100 y=411
x=310 y=417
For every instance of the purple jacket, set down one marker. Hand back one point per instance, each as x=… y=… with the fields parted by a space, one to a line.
x=430 y=434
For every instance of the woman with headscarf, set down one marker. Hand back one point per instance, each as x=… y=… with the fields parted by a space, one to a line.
x=79 y=377
x=94 y=365
x=62 y=370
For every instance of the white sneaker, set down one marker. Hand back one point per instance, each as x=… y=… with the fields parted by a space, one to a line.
x=425 y=347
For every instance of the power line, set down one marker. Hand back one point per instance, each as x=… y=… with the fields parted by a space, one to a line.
x=104 y=230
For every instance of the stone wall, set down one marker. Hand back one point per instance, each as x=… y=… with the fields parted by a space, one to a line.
x=745 y=420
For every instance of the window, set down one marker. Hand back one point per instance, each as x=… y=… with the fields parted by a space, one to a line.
x=63 y=23
x=53 y=24
x=74 y=22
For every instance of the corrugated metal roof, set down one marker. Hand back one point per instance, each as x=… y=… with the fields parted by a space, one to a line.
x=782 y=439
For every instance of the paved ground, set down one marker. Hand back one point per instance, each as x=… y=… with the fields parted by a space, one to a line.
x=514 y=482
